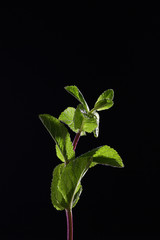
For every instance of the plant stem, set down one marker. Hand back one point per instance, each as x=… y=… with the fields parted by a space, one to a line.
x=76 y=139
x=69 y=217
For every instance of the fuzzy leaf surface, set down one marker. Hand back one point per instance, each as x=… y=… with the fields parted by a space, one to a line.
x=73 y=90
x=71 y=176
x=60 y=135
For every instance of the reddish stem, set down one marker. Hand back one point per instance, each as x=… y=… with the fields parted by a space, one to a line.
x=76 y=139
x=69 y=224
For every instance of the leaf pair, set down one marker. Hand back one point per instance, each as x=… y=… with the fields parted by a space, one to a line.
x=66 y=183
x=105 y=100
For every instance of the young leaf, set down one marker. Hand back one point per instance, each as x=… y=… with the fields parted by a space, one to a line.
x=60 y=135
x=73 y=90
x=103 y=104
x=78 y=118
x=89 y=123
x=57 y=198
x=108 y=94
x=105 y=100
x=83 y=120
x=67 y=117
x=69 y=183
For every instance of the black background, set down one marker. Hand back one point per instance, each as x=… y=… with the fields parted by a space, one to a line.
x=95 y=47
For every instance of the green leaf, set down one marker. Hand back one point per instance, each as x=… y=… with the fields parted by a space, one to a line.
x=108 y=94
x=67 y=117
x=66 y=183
x=73 y=90
x=71 y=176
x=77 y=195
x=78 y=118
x=103 y=104
x=83 y=120
x=59 y=154
x=108 y=156
x=104 y=155
x=89 y=123
x=105 y=100
x=57 y=198
x=60 y=135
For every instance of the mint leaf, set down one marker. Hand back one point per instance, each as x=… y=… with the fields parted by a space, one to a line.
x=60 y=135
x=83 y=120
x=69 y=184
x=73 y=90
x=108 y=156
x=77 y=195
x=59 y=154
x=89 y=123
x=66 y=183
x=67 y=117
x=78 y=118
x=105 y=100
x=108 y=94
x=103 y=104
x=104 y=155
x=56 y=197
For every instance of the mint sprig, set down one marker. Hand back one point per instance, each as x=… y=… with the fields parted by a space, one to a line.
x=66 y=185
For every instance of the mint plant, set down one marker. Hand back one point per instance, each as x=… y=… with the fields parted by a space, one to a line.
x=66 y=185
